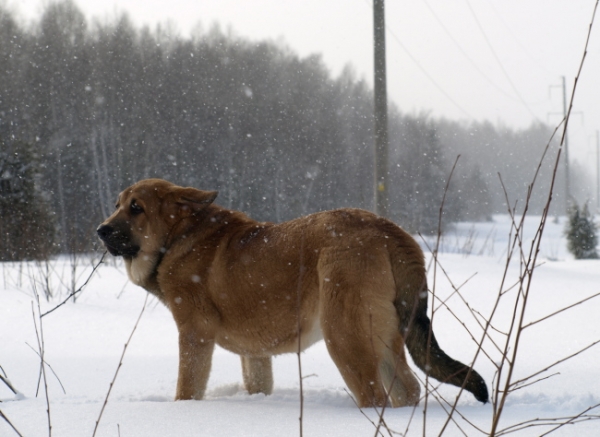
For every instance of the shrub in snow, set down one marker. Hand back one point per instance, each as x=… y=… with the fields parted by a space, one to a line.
x=581 y=233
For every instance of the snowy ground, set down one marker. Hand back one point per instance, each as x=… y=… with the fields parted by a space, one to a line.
x=84 y=342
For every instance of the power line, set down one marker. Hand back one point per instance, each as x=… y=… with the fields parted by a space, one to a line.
x=424 y=71
x=489 y=44
x=517 y=40
x=431 y=79
x=465 y=54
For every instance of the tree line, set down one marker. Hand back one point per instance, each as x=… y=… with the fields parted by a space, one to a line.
x=87 y=109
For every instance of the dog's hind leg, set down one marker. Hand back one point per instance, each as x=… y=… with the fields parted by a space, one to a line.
x=358 y=319
x=358 y=366
x=348 y=331
x=398 y=379
x=258 y=374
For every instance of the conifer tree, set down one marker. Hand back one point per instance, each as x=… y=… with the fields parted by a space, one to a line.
x=581 y=233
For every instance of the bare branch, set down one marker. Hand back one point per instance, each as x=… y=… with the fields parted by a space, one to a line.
x=433 y=289
x=79 y=289
x=562 y=421
x=40 y=340
x=530 y=263
x=5 y=380
x=378 y=432
x=381 y=422
x=112 y=383
x=49 y=366
x=299 y=331
x=519 y=387
x=10 y=423
x=556 y=363
x=561 y=310
x=581 y=417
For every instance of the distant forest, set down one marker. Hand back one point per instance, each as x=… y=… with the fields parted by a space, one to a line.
x=86 y=109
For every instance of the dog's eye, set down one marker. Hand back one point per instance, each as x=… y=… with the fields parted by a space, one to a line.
x=135 y=208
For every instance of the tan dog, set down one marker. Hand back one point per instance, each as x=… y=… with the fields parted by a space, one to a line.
x=261 y=289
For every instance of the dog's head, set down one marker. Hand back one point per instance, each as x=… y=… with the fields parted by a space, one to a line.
x=145 y=214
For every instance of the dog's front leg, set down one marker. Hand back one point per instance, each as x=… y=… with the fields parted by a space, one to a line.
x=258 y=374
x=195 y=356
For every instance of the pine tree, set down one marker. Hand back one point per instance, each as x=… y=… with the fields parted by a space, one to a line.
x=581 y=233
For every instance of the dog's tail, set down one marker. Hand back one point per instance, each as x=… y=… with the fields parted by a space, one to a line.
x=415 y=327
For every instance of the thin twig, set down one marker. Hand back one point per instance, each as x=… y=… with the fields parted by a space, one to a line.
x=536 y=246
x=380 y=413
x=537 y=422
x=79 y=289
x=554 y=364
x=581 y=417
x=10 y=424
x=440 y=400
x=391 y=384
x=501 y=293
x=519 y=307
x=473 y=311
x=49 y=366
x=458 y=319
x=479 y=344
x=433 y=289
x=378 y=432
x=561 y=310
x=40 y=340
x=8 y=384
x=410 y=419
x=299 y=327
x=519 y=386
x=112 y=383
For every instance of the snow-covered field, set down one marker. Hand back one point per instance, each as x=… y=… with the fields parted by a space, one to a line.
x=83 y=342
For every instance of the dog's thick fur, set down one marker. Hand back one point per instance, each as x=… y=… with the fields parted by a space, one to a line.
x=348 y=276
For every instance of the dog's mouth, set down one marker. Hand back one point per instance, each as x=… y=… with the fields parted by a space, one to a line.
x=126 y=252
x=116 y=242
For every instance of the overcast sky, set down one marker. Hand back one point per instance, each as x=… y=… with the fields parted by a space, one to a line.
x=500 y=60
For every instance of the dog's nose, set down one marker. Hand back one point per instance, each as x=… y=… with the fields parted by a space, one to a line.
x=104 y=231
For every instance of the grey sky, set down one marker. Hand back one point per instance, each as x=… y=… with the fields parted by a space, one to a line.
x=461 y=59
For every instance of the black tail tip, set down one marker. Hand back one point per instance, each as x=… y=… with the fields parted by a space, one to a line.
x=480 y=390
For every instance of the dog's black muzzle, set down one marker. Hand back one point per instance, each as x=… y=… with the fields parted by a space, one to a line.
x=117 y=241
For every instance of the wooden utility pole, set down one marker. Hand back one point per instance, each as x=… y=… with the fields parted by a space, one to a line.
x=381 y=112
x=598 y=169
x=567 y=178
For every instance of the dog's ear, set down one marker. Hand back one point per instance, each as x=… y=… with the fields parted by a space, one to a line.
x=192 y=200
